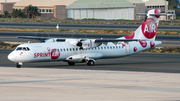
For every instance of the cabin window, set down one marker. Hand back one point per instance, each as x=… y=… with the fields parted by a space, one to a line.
x=116 y=47
x=67 y=49
x=76 y=49
x=107 y=47
x=61 y=49
x=110 y=47
x=113 y=47
x=73 y=49
x=99 y=48
x=102 y=48
x=43 y=10
x=54 y=50
x=64 y=49
x=70 y=49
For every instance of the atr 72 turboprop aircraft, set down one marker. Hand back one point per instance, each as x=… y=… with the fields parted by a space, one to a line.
x=88 y=50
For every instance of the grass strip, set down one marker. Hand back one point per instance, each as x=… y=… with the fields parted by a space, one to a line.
x=164 y=50
x=107 y=31
x=84 y=21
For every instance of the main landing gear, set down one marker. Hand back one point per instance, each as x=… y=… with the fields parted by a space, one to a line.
x=90 y=63
x=19 y=64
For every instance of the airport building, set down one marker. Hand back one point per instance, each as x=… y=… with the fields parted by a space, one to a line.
x=48 y=8
x=88 y=9
x=103 y=9
x=157 y=4
x=163 y=5
x=140 y=8
x=7 y=5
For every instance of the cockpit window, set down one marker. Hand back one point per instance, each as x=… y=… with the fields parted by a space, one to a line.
x=28 y=49
x=22 y=48
x=19 y=48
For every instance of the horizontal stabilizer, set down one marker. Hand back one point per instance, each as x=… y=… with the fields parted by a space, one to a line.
x=145 y=14
x=158 y=14
x=142 y=14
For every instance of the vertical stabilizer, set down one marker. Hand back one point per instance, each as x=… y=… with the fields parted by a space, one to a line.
x=147 y=31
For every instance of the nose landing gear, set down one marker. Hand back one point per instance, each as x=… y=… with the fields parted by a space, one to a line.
x=19 y=64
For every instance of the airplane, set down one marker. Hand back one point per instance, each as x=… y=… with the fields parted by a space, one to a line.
x=74 y=50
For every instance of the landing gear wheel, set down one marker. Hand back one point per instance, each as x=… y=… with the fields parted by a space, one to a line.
x=71 y=63
x=90 y=63
x=18 y=66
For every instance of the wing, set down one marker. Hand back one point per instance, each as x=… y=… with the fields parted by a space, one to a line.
x=115 y=40
x=35 y=38
x=42 y=39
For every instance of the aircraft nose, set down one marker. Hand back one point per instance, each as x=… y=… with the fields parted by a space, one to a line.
x=11 y=57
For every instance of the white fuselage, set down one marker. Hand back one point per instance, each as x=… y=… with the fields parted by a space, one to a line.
x=64 y=51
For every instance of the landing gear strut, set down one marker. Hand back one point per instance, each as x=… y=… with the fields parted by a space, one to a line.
x=18 y=65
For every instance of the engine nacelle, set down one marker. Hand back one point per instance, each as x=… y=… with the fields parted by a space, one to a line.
x=85 y=44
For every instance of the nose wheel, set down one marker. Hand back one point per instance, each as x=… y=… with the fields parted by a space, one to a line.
x=18 y=65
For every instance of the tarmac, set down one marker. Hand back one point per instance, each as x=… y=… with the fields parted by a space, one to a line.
x=140 y=77
x=47 y=84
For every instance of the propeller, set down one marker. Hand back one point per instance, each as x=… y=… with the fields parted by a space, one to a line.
x=42 y=35
x=79 y=43
x=81 y=37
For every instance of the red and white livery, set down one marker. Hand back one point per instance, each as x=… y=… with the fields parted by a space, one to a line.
x=88 y=50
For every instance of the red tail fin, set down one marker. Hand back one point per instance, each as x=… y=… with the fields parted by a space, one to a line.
x=147 y=31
